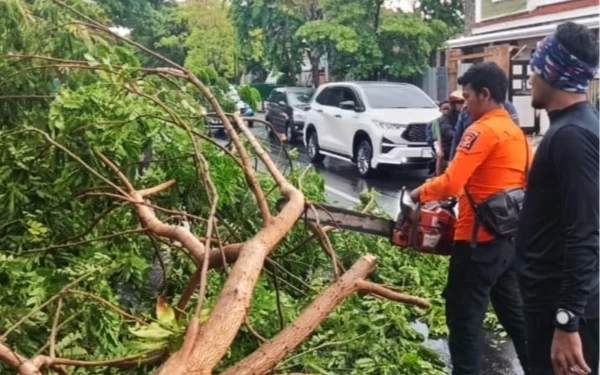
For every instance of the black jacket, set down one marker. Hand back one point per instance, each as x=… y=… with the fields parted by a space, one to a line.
x=447 y=124
x=557 y=242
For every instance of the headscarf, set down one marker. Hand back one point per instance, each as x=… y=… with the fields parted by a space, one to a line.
x=561 y=69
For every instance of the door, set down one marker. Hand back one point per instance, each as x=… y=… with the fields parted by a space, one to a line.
x=324 y=115
x=331 y=140
x=519 y=94
x=347 y=123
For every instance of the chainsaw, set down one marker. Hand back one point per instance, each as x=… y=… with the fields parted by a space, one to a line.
x=423 y=228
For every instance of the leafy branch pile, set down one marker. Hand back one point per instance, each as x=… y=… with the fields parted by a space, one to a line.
x=133 y=243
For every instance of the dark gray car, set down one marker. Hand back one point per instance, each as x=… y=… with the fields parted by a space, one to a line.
x=286 y=110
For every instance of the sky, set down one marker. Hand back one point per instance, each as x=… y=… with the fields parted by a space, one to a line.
x=405 y=5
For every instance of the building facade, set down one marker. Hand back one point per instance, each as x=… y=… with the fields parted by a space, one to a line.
x=507 y=32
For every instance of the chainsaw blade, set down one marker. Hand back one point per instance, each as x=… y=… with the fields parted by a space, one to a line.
x=346 y=219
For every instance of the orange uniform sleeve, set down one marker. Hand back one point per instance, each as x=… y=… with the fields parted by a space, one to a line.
x=475 y=145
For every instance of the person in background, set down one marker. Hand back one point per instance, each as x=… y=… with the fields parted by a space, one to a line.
x=557 y=242
x=443 y=131
x=464 y=121
x=431 y=136
x=492 y=158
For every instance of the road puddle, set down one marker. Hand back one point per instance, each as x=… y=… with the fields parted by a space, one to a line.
x=499 y=356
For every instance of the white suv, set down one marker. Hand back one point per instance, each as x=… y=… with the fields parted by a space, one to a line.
x=370 y=124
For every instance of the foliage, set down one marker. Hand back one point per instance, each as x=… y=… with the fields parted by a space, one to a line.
x=407 y=42
x=62 y=239
x=250 y=95
x=360 y=37
x=449 y=12
x=321 y=37
x=211 y=41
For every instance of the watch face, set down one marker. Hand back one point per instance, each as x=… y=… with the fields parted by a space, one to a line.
x=562 y=317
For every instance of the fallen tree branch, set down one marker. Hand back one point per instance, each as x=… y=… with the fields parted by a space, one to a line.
x=231 y=253
x=158 y=208
x=138 y=360
x=78 y=243
x=17 y=362
x=267 y=356
x=54 y=330
x=381 y=291
x=76 y=158
x=48 y=301
x=107 y=304
x=326 y=245
x=14 y=97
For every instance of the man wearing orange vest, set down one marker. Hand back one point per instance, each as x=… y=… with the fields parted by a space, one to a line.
x=489 y=170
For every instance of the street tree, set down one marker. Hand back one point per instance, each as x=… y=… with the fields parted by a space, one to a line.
x=323 y=37
x=212 y=39
x=131 y=242
x=407 y=42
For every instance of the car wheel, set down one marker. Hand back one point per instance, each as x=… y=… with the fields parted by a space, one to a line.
x=364 y=154
x=313 y=148
x=290 y=133
x=250 y=124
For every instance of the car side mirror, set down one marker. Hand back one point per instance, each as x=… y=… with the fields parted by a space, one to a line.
x=282 y=103
x=348 y=104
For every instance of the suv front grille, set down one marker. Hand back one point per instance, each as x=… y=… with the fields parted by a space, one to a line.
x=415 y=133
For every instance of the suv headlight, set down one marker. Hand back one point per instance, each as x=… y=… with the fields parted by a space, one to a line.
x=389 y=125
x=299 y=116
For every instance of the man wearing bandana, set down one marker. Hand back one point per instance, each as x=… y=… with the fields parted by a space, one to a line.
x=557 y=241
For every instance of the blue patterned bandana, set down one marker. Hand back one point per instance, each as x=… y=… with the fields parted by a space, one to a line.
x=560 y=69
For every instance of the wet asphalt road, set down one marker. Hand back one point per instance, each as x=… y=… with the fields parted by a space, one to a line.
x=344 y=186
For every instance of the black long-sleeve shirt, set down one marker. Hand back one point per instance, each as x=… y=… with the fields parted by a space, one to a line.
x=557 y=242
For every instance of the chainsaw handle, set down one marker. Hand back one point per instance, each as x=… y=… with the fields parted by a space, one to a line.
x=407 y=205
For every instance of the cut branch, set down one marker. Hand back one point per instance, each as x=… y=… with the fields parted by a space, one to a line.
x=78 y=243
x=107 y=304
x=381 y=291
x=55 y=327
x=17 y=362
x=267 y=356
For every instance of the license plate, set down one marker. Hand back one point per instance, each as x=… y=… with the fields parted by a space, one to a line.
x=426 y=153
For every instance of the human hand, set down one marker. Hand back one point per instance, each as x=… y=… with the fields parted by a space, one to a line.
x=567 y=354
x=415 y=195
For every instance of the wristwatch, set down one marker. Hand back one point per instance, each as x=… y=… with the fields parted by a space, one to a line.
x=566 y=320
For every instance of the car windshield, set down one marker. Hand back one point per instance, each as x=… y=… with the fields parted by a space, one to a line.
x=299 y=98
x=396 y=96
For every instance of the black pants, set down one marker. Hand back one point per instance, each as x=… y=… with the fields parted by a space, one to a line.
x=540 y=330
x=477 y=276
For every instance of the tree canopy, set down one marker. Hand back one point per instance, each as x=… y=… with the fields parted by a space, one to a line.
x=360 y=37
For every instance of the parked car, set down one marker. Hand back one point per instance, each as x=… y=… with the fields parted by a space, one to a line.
x=216 y=125
x=370 y=124
x=286 y=110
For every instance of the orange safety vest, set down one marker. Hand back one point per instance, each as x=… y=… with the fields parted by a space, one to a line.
x=490 y=158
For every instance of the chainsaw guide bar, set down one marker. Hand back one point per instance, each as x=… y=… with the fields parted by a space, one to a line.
x=346 y=219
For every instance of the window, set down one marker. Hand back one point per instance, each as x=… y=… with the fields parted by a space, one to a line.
x=397 y=96
x=298 y=97
x=323 y=96
x=278 y=97
x=348 y=95
x=335 y=97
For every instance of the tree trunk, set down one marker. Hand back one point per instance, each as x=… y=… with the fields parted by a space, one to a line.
x=314 y=67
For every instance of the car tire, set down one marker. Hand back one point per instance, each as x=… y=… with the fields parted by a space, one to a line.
x=250 y=124
x=364 y=155
x=313 y=149
x=290 y=133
